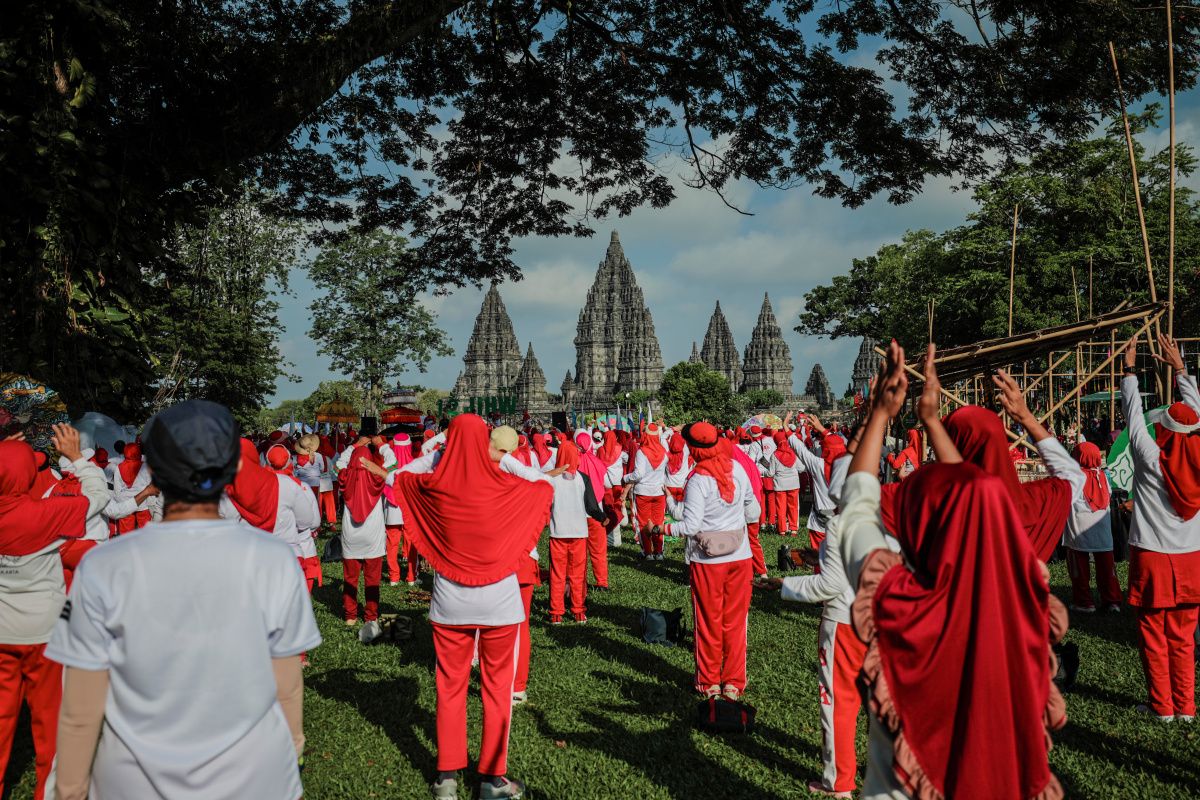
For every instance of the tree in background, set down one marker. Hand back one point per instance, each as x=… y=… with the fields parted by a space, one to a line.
x=757 y=400
x=370 y=322
x=428 y=400
x=1076 y=211
x=691 y=392
x=215 y=326
x=306 y=410
x=450 y=120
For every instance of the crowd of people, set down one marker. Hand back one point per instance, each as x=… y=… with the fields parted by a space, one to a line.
x=937 y=610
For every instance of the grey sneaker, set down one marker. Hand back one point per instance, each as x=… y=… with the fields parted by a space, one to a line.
x=519 y=697
x=509 y=788
x=1147 y=711
x=370 y=632
x=446 y=790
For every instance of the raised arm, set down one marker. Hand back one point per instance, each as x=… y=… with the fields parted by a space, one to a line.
x=1143 y=444
x=929 y=407
x=92 y=483
x=1171 y=356
x=1013 y=401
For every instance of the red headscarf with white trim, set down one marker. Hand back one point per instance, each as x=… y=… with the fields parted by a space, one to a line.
x=713 y=457
x=132 y=464
x=651 y=446
x=361 y=489
x=254 y=490
x=1096 y=489
x=1179 y=458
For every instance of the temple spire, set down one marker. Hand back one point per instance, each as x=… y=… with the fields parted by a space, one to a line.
x=768 y=362
x=719 y=352
x=530 y=386
x=492 y=359
x=819 y=388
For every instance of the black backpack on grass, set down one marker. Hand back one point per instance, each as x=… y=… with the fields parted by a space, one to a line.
x=786 y=562
x=718 y=715
x=662 y=627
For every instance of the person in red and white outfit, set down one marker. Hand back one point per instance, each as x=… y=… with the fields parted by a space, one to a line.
x=679 y=467
x=130 y=477
x=614 y=458
x=717 y=505
x=1089 y=535
x=592 y=468
x=820 y=471
x=752 y=528
x=574 y=504
x=400 y=450
x=364 y=538
x=298 y=517
x=31 y=588
x=1164 y=538
x=476 y=525
x=784 y=472
x=314 y=471
x=649 y=478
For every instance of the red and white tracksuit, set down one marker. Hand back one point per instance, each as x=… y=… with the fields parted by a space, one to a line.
x=575 y=505
x=1089 y=534
x=721 y=584
x=840 y=656
x=498 y=648
x=1164 y=567
x=823 y=506
x=649 y=499
x=529 y=577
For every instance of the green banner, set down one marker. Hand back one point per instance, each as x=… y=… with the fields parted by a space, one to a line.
x=1120 y=460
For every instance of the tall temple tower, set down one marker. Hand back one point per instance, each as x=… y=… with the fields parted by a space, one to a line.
x=616 y=349
x=694 y=358
x=719 y=352
x=818 y=386
x=530 y=386
x=865 y=366
x=768 y=362
x=493 y=358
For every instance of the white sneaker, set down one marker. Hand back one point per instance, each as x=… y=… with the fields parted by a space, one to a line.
x=393 y=583
x=1147 y=711
x=519 y=697
x=659 y=557
x=1189 y=719
x=370 y=632
x=1083 y=609
x=445 y=790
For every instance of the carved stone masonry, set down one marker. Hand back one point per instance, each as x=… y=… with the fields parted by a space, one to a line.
x=865 y=366
x=818 y=387
x=493 y=358
x=768 y=363
x=719 y=352
x=530 y=386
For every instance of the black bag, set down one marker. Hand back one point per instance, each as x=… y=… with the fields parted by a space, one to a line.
x=1068 y=664
x=718 y=715
x=332 y=551
x=786 y=562
x=662 y=627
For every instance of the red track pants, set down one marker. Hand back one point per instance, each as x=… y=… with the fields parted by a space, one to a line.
x=756 y=551
x=568 y=565
x=530 y=577
x=71 y=553
x=1168 y=650
x=765 y=515
x=455 y=647
x=651 y=511
x=138 y=519
x=395 y=538
x=27 y=675
x=721 y=605
x=1080 y=568
x=840 y=658
x=615 y=508
x=372 y=570
x=787 y=509
x=814 y=540
x=597 y=551
x=326 y=505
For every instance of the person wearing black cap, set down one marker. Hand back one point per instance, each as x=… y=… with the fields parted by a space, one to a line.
x=182 y=641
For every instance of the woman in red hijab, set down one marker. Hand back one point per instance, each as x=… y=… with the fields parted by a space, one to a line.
x=364 y=539
x=784 y=471
x=679 y=467
x=595 y=470
x=614 y=458
x=958 y=627
x=1089 y=534
x=907 y=460
x=130 y=479
x=649 y=477
x=475 y=525
x=1043 y=505
x=717 y=506
x=1164 y=538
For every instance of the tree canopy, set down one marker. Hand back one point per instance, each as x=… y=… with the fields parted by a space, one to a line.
x=463 y=124
x=369 y=321
x=692 y=391
x=1079 y=251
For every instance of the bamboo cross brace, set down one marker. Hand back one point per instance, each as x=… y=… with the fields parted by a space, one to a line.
x=1025 y=392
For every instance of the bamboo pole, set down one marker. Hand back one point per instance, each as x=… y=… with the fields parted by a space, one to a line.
x=1091 y=313
x=1075 y=290
x=1137 y=186
x=1112 y=384
x=1078 y=371
x=1039 y=378
x=1171 y=182
x=1012 y=267
x=931 y=307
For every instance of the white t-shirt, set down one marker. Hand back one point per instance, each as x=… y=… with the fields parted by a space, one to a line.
x=368 y=540
x=703 y=510
x=186 y=617
x=647 y=480
x=310 y=474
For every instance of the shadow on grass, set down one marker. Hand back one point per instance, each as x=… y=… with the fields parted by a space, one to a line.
x=390 y=702
x=1104 y=746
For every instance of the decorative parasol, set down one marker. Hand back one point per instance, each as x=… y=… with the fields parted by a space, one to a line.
x=337 y=412
x=30 y=407
x=771 y=421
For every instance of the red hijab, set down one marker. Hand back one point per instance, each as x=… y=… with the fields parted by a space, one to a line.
x=29 y=524
x=589 y=464
x=254 y=491
x=279 y=459
x=832 y=448
x=100 y=459
x=568 y=457
x=1096 y=489
x=610 y=451
x=472 y=522
x=784 y=451
x=43 y=479
x=963 y=636
x=133 y=463
x=1043 y=505
x=1179 y=459
x=713 y=457
x=675 y=448
x=739 y=455
x=651 y=446
x=402 y=450
x=361 y=489
x=538 y=441
x=522 y=453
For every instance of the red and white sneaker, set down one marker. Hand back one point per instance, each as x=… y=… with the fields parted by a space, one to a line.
x=817 y=787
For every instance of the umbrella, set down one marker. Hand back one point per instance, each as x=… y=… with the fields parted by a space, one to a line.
x=771 y=421
x=98 y=430
x=30 y=407
x=337 y=411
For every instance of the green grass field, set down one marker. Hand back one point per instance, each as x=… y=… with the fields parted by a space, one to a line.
x=611 y=717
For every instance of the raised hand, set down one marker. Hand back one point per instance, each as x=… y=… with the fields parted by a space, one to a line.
x=1013 y=401
x=930 y=403
x=892 y=386
x=1170 y=353
x=66 y=442
x=1131 y=355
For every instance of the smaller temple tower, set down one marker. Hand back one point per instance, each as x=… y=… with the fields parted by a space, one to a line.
x=768 y=363
x=493 y=358
x=866 y=365
x=694 y=358
x=530 y=386
x=818 y=386
x=719 y=352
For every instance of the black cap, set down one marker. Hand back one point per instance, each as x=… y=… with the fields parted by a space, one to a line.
x=192 y=450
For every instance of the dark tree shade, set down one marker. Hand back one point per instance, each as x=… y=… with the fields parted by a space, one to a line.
x=464 y=124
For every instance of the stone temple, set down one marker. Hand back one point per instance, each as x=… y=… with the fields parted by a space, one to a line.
x=819 y=388
x=616 y=350
x=768 y=362
x=866 y=365
x=720 y=354
x=493 y=358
